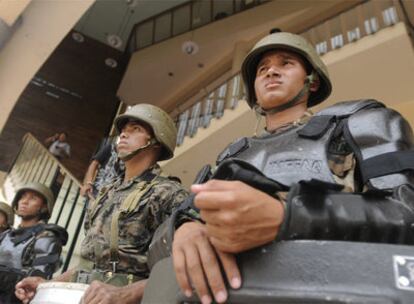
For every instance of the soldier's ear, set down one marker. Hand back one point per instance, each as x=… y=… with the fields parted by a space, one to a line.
x=315 y=83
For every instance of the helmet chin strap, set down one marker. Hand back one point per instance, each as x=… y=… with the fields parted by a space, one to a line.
x=127 y=156
x=295 y=100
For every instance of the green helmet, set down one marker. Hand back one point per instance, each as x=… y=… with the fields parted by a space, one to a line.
x=161 y=123
x=290 y=42
x=39 y=188
x=8 y=211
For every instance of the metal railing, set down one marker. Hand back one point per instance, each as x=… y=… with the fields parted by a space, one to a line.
x=347 y=27
x=211 y=105
x=35 y=163
x=184 y=18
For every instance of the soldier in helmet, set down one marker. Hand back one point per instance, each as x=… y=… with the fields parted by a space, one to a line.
x=120 y=224
x=359 y=147
x=33 y=249
x=6 y=217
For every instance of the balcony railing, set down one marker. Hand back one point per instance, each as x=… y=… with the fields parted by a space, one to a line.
x=212 y=105
x=347 y=27
x=184 y=18
x=35 y=163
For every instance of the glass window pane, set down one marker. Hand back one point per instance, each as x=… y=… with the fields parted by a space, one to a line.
x=163 y=27
x=201 y=13
x=181 y=23
x=144 y=34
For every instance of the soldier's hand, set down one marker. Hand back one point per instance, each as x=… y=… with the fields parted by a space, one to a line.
x=197 y=262
x=26 y=288
x=101 y=293
x=238 y=217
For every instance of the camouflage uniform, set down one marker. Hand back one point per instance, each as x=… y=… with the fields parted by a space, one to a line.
x=136 y=228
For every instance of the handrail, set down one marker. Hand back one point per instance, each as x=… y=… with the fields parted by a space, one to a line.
x=205 y=95
x=46 y=150
x=138 y=24
x=34 y=162
x=132 y=39
x=345 y=27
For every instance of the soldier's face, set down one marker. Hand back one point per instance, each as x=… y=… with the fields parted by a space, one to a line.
x=30 y=203
x=133 y=136
x=280 y=75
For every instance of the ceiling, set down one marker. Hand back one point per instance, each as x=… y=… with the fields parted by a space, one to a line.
x=108 y=19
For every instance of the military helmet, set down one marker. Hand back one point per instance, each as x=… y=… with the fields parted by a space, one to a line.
x=8 y=211
x=39 y=188
x=161 y=123
x=290 y=42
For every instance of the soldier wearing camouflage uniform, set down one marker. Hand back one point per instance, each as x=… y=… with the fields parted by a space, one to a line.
x=33 y=249
x=6 y=217
x=120 y=224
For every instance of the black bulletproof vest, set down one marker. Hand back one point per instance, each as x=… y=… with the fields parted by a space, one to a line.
x=289 y=157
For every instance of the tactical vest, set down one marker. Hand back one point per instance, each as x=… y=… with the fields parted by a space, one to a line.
x=289 y=157
x=16 y=243
x=11 y=254
x=301 y=153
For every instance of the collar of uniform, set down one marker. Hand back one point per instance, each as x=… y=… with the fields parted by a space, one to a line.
x=20 y=228
x=119 y=184
x=297 y=122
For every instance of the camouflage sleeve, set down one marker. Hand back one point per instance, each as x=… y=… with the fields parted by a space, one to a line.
x=167 y=197
x=161 y=244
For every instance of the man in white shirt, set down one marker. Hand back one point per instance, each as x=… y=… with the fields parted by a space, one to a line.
x=58 y=145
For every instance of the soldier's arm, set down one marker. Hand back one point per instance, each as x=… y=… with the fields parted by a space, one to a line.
x=89 y=178
x=383 y=145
